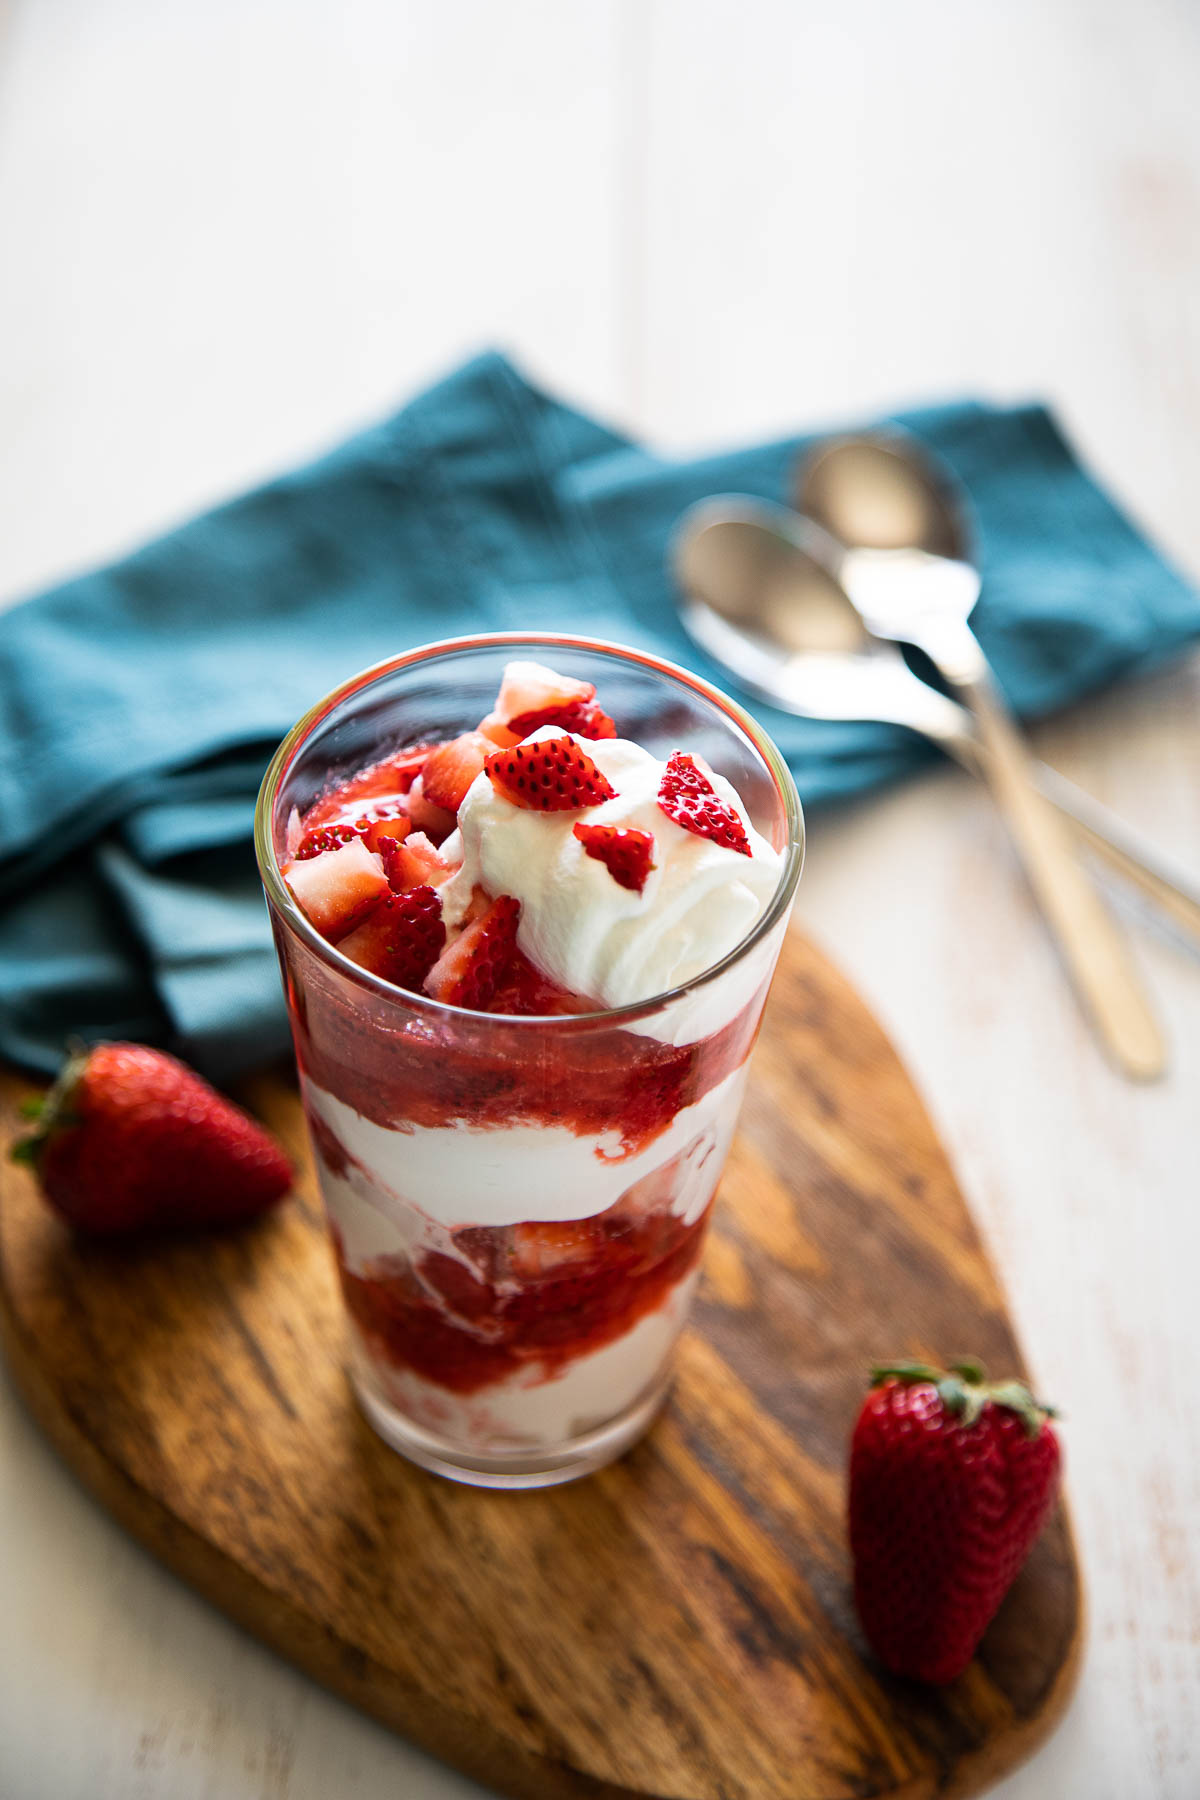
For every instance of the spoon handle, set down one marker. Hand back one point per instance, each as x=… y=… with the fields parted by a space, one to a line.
x=1172 y=888
x=1095 y=952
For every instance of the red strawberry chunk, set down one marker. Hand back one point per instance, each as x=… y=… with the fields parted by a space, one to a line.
x=479 y=903
x=413 y=862
x=437 y=822
x=326 y=837
x=388 y=828
x=469 y=970
x=402 y=939
x=530 y=687
x=451 y=768
x=688 y=797
x=497 y=734
x=626 y=853
x=550 y=775
x=585 y=718
x=380 y=822
x=541 y=1246
x=337 y=888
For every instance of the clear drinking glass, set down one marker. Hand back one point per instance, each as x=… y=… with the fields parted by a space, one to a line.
x=518 y=1204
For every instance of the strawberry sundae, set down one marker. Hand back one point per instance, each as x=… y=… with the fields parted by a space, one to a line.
x=521 y=1113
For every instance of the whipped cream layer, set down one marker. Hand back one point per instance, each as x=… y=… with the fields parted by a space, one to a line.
x=531 y=1411
x=461 y=1175
x=589 y=934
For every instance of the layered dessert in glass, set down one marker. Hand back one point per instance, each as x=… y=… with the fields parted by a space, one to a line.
x=528 y=895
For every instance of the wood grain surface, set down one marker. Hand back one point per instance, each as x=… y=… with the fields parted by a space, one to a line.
x=678 y=1625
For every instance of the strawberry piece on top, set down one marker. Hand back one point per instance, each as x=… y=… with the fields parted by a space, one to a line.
x=469 y=970
x=451 y=768
x=325 y=837
x=549 y=775
x=586 y=718
x=529 y=687
x=337 y=888
x=401 y=939
x=384 y=826
x=626 y=853
x=437 y=822
x=688 y=797
x=499 y=736
x=414 y=862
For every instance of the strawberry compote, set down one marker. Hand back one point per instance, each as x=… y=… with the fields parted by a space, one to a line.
x=522 y=1050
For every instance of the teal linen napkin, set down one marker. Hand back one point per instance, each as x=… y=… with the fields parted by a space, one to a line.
x=140 y=704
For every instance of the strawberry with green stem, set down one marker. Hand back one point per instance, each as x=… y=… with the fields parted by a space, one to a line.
x=951 y=1479
x=130 y=1139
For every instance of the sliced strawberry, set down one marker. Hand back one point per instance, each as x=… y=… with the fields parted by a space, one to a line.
x=477 y=905
x=412 y=862
x=531 y=687
x=497 y=733
x=388 y=828
x=437 y=822
x=451 y=768
x=326 y=837
x=540 y=1247
x=470 y=970
x=401 y=939
x=339 y=887
x=372 y=827
x=626 y=854
x=586 y=718
x=549 y=775
x=688 y=797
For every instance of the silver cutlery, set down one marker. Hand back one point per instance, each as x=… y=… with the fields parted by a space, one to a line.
x=758 y=595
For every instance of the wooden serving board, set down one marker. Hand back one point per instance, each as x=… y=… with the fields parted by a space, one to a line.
x=679 y=1625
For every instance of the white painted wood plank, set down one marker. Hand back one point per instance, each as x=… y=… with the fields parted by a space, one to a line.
x=853 y=207
x=233 y=232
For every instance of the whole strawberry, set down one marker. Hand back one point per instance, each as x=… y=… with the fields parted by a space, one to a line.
x=951 y=1480
x=128 y=1139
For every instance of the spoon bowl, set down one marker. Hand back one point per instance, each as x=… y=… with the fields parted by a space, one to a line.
x=884 y=491
x=758 y=597
x=766 y=572
x=906 y=542
x=727 y=550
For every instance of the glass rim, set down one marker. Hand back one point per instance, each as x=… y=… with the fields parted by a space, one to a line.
x=281 y=900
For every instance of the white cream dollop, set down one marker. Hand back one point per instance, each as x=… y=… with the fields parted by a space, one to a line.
x=580 y=926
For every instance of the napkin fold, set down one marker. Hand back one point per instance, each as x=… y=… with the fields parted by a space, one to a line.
x=140 y=704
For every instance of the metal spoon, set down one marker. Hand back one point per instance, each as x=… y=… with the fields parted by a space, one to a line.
x=757 y=596
x=907 y=565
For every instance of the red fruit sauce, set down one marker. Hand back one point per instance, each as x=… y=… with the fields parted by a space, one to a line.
x=415 y=1071
x=465 y=1328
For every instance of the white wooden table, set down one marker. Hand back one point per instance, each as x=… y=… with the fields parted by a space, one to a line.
x=231 y=232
